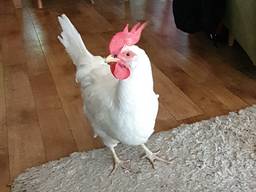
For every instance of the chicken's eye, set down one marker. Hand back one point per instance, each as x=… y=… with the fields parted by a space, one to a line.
x=127 y=55
x=115 y=56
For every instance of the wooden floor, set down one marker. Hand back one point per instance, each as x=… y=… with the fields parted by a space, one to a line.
x=41 y=116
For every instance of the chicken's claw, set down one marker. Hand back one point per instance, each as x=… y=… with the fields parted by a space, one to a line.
x=153 y=156
x=119 y=163
x=125 y=165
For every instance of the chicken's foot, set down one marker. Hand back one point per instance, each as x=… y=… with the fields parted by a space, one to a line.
x=153 y=156
x=119 y=163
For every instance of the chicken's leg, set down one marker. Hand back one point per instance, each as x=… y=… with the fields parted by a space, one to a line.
x=118 y=162
x=152 y=156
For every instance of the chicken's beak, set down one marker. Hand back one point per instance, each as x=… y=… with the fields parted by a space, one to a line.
x=110 y=59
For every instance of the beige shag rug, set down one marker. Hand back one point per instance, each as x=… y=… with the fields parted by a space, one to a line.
x=213 y=155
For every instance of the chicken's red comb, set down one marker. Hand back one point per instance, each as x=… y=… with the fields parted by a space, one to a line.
x=120 y=39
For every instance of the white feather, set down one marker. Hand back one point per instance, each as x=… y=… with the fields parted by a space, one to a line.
x=119 y=111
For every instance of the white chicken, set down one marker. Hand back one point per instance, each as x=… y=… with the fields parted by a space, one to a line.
x=117 y=91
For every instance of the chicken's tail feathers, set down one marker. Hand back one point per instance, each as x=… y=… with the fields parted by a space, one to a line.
x=73 y=43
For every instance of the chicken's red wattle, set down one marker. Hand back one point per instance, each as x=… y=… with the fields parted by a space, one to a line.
x=120 y=71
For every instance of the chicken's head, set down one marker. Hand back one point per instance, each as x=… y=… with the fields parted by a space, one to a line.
x=121 y=50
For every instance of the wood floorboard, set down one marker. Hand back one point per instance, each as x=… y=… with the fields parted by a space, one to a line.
x=197 y=69
x=63 y=72
x=179 y=105
x=69 y=93
x=4 y=156
x=51 y=116
x=41 y=114
x=24 y=136
x=222 y=62
x=6 y=8
x=25 y=146
x=198 y=93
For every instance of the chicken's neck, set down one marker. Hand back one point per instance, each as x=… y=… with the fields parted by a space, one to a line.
x=132 y=91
